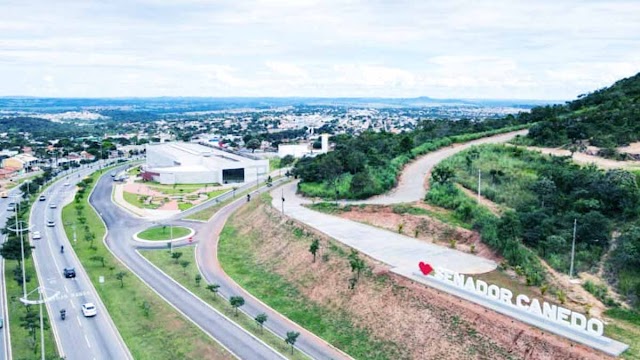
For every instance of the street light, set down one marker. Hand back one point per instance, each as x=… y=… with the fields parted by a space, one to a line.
x=19 y=229
x=41 y=300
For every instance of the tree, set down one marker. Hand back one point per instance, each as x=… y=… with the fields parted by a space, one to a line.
x=176 y=256
x=253 y=144
x=545 y=188
x=146 y=308
x=236 y=302
x=313 y=249
x=184 y=264
x=292 y=337
x=442 y=174
x=120 y=276
x=213 y=288
x=198 y=279
x=11 y=250
x=356 y=263
x=261 y=319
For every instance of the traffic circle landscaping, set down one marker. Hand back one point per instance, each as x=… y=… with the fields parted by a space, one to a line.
x=165 y=233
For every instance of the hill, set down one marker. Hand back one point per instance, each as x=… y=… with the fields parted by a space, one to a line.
x=606 y=118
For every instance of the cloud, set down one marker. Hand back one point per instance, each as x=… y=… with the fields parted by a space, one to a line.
x=488 y=49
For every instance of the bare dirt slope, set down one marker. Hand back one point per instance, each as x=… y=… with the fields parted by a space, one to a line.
x=423 y=323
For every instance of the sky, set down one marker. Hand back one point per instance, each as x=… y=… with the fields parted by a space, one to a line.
x=486 y=49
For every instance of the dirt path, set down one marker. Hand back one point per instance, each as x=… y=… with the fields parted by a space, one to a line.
x=493 y=207
x=589 y=159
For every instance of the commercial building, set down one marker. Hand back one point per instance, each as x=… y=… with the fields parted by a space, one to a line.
x=188 y=163
x=300 y=150
x=20 y=162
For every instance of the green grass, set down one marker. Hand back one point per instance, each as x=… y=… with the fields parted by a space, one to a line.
x=179 y=189
x=184 y=206
x=160 y=335
x=215 y=193
x=22 y=344
x=164 y=233
x=626 y=329
x=334 y=326
x=136 y=200
x=186 y=277
x=206 y=214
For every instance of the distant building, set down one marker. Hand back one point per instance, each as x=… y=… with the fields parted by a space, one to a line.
x=189 y=163
x=300 y=150
x=20 y=162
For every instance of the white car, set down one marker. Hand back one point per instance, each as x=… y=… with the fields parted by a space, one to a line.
x=36 y=235
x=53 y=206
x=89 y=310
x=66 y=184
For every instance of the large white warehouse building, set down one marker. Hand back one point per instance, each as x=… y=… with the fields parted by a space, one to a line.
x=188 y=163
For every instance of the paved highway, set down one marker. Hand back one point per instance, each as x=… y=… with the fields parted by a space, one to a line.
x=122 y=226
x=78 y=337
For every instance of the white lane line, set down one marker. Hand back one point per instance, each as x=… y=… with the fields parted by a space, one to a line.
x=79 y=323
x=87 y=340
x=73 y=304
x=65 y=288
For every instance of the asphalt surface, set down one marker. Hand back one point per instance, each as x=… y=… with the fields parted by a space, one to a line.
x=207 y=259
x=79 y=337
x=206 y=256
x=411 y=185
x=122 y=225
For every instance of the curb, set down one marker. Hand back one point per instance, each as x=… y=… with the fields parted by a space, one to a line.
x=210 y=307
x=137 y=238
x=286 y=319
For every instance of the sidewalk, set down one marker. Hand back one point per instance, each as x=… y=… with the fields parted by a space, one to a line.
x=391 y=248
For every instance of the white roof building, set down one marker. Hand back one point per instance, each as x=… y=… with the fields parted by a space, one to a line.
x=188 y=163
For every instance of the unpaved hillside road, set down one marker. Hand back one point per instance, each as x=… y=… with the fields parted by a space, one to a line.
x=581 y=158
x=411 y=186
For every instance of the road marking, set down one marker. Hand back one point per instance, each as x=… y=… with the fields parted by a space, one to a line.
x=79 y=323
x=87 y=339
x=65 y=288
x=73 y=304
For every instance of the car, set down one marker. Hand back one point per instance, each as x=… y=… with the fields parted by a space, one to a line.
x=11 y=206
x=88 y=310
x=36 y=235
x=53 y=205
x=42 y=198
x=66 y=184
x=4 y=194
x=113 y=174
x=1 y=322
x=69 y=273
x=51 y=223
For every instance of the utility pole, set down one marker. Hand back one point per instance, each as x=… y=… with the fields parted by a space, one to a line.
x=41 y=325
x=479 y=183
x=282 y=200
x=573 y=247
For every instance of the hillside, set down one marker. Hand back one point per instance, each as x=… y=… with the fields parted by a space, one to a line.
x=607 y=118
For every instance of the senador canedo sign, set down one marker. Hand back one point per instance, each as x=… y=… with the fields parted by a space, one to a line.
x=544 y=310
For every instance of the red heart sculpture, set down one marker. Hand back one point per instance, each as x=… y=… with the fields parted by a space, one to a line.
x=425 y=268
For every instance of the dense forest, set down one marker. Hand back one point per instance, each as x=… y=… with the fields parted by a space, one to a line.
x=545 y=196
x=606 y=118
x=369 y=164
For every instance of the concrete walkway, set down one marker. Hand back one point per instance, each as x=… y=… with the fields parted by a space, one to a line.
x=391 y=248
x=411 y=186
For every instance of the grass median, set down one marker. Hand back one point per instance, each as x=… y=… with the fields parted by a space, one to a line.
x=150 y=327
x=25 y=321
x=187 y=275
x=160 y=233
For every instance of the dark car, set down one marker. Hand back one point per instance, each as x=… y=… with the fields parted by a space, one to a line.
x=69 y=272
x=42 y=198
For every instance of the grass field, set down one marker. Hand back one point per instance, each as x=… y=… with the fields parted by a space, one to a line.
x=136 y=200
x=159 y=334
x=186 y=277
x=239 y=261
x=206 y=214
x=164 y=233
x=181 y=189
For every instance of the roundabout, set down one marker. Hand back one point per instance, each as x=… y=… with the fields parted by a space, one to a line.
x=164 y=233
